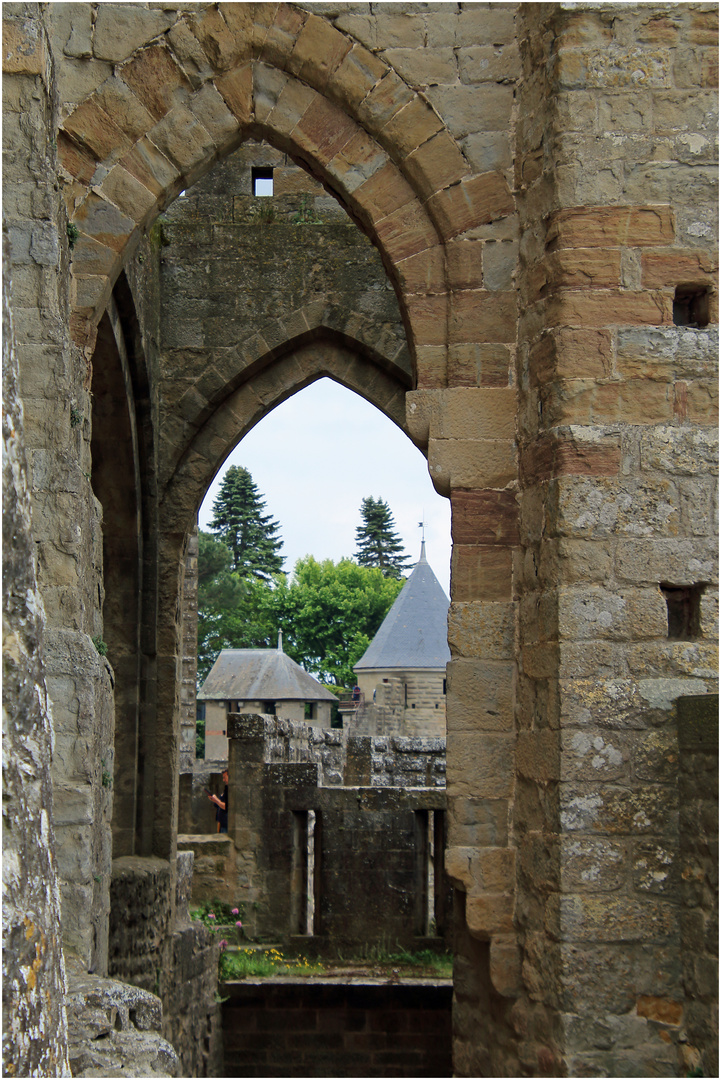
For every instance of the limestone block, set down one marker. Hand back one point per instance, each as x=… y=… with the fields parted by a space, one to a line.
x=475 y=414
x=71 y=29
x=484 y=63
x=596 y=757
x=23 y=47
x=222 y=47
x=594 y=613
x=485 y=364
x=592 y=864
x=488 y=151
x=357 y=75
x=604 y=507
x=282 y=35
x=152 y=168
x=499 y=266
x=609 y=918
x=680 y=451
x=467 y=109
x=624 y=703
x=478 y=315
x=182 y=139
x=156 y=80
x=612 y=975
x=649 y=810
x=489 y=914
x=480 y=463
x=506 y=965
x=120 y=30
x=318 y=52
x=436 y=164
x=480 y=695
x=682 y=562
x=397 y=30
x=423 y=67
x=380 y=105
x=482 y=765
x=475 y=822
x=492 y=24
x=128 y=194
x=481 y=573
x=186 y=48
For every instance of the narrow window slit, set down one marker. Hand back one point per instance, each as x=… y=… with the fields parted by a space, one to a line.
x=691 y=305
x=683 y=605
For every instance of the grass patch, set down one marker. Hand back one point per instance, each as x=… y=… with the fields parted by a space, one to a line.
x=241 y=963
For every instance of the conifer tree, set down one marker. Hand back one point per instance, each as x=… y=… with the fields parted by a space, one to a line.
x=378 y=543
x=240 y=524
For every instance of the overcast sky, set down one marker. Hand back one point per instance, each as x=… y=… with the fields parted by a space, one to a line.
x=316 y=456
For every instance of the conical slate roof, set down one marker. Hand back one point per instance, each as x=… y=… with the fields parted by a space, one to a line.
x=414 y=633
x=260 y=675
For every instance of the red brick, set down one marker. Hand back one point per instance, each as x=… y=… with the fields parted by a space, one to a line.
x=154 y=77
x=92 y=127
x=76 y=159
x=550 y=456
x=324 y=130
x=385 y=192
x=405 y=232
x=659 y=269
x=484 y=517
x=611 y=226
x=471 y=203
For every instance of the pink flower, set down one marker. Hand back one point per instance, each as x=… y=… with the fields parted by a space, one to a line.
x=239 y=924
x=211 y=915
x=235 y=911
x=223 y=944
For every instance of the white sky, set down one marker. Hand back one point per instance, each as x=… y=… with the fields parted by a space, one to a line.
x=316 y=456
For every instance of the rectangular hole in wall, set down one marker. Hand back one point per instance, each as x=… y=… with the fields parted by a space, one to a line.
x=691 y=305
x=683 y=606
x=305 y=873
x=262 y=179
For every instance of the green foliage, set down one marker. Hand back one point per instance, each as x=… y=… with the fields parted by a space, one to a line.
x=378 y=543
x=330 y=612
x=240 y=524
x=264 y=962
x=73 y=234
x=76 y=417
x=233 y=613
x=306 y=214
x=100 y=645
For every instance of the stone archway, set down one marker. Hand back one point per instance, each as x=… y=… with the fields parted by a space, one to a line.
x=183 y=102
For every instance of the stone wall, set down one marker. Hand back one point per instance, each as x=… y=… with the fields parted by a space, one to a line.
x=697 y=872
x=407 y=703
x=155 y=946
x=536 y=182
x=337 y=1029
x=340 y=840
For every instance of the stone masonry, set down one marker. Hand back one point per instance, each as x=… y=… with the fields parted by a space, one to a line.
x=534 y=186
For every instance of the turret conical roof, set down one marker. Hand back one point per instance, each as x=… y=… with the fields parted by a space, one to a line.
x=414 y=633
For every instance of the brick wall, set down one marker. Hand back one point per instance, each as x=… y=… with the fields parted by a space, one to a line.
x=335 y=1029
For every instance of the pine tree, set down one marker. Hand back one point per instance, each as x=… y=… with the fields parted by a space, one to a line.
x=378 y=543
x=239 y=522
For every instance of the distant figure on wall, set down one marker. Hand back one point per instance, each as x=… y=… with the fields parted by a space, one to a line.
x=221 y=814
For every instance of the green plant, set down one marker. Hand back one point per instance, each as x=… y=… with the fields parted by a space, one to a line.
x=73 y=233
x=76 y=417
x=306 y=214
x=241 y=963
x=217 y=915
x=107 y=778
x=263 y=213
x=100 y=645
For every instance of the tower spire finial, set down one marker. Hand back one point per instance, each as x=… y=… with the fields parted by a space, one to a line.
x=422 y=527
x=280 y=641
